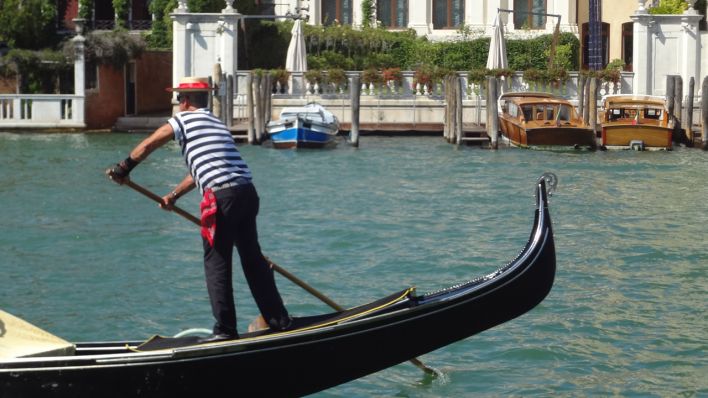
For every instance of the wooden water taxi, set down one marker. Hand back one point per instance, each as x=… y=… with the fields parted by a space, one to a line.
x=636 y=122
x=544 y=121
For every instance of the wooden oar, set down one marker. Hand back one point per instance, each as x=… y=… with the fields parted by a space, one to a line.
x=276 y=267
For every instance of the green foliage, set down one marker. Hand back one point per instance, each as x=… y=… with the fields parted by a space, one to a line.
x=281 y=76
x=337 y=76
x=85 y=9
x=367 y=13
x=113 y=48
x=314 y=76
x=371 y=75
x=477 y=76
x=38 y=70
x=28 y=24
x=669 y=7
x=120 y=7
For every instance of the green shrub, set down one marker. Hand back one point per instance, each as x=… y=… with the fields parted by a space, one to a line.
x=669 y=7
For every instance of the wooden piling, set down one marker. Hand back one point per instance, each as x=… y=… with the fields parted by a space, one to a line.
x=678 y=108
x=355 y=94
x=258 y=102
x=688 y=118
x=250 y=122
x=492 y=117
x=670 y=95
x=457 y=83
x=446 y=113
x=581 y=94
x=216 y=101
x=704 y=114
x=592 y=105
x=229 y=100
x=267 y=99
x=586 y=100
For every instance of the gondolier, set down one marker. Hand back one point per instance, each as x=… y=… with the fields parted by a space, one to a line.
x=228 y=209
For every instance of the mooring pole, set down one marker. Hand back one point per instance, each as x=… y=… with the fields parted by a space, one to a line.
x=593 y=105
x=216 y=102
x=586 y=100
x=355 y=93
x=581 y=93
x=459 y=131
x=249 y=109
x=678 y=105
x=704 y=114
x=689 y=112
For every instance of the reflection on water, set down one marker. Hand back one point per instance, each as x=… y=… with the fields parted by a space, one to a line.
x=89 y=260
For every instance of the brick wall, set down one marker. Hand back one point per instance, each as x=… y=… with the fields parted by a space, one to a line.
x=153 y=75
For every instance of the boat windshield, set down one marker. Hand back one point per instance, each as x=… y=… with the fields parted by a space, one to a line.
x=652 y=113
x=564 y=113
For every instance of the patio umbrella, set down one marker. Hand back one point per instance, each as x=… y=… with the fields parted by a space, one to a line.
x=497 y=47
x=296 y=60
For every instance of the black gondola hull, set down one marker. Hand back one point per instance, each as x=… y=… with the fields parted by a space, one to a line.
x=297 y=364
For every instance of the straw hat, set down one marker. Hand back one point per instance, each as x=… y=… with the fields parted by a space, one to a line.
x=191 y=84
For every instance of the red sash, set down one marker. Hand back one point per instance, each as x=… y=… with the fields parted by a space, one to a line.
x=208 y=208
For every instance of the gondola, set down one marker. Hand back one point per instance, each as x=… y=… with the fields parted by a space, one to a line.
x=319 y=352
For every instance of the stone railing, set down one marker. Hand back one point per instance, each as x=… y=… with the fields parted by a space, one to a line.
x=41 y=111
x=298 y=87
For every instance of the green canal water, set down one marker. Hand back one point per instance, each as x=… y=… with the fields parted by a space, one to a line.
x=88 y=260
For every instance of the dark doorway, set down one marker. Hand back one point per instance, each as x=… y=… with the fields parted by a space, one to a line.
x=130 y=88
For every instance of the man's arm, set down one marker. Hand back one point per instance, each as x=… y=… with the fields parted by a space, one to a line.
x=119 y=173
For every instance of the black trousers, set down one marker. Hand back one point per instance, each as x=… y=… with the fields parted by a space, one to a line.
x=237 y=208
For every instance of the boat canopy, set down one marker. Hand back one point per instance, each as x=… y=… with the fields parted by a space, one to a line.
x=19 y=338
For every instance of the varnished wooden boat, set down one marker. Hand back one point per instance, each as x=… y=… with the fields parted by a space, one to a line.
x=318 y=353
x=544 y=121
x=636 y=121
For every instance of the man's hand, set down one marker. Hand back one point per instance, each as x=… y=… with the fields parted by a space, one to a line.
x=168 y=201
x=119 y=173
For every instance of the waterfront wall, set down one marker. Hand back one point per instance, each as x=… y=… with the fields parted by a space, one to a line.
x=405 y=104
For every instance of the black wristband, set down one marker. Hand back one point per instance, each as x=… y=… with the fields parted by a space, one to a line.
x=129 y=164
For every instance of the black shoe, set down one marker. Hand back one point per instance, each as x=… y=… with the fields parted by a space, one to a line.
x=217 y=337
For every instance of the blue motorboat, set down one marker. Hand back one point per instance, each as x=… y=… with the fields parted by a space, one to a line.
x=309 y=126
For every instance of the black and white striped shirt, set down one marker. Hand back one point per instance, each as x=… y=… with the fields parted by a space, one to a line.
x=209 y=150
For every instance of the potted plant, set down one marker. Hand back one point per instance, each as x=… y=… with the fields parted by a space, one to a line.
x=535 y=76
x=476 y=79
x=423 y=78
x=280 y=79
x=370 y=76
x=337 y=77
x=314 y=79
x=392 y=77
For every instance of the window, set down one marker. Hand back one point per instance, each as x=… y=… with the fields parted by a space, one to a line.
x=392 y=13
x=627 y=44
x=522 y=17
x=340 y=10
x=586 y=44
x=448 y=14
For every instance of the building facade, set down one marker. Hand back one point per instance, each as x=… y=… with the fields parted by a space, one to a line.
x=442 y=19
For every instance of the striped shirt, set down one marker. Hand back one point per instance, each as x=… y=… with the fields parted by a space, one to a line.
x=209 y=150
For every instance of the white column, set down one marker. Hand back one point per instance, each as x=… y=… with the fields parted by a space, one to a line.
x=356 y=13
x=79 y=72
x=691 y=49
x=420 y=17
x=229 y=41
x=181 y=59
x=642 y=51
